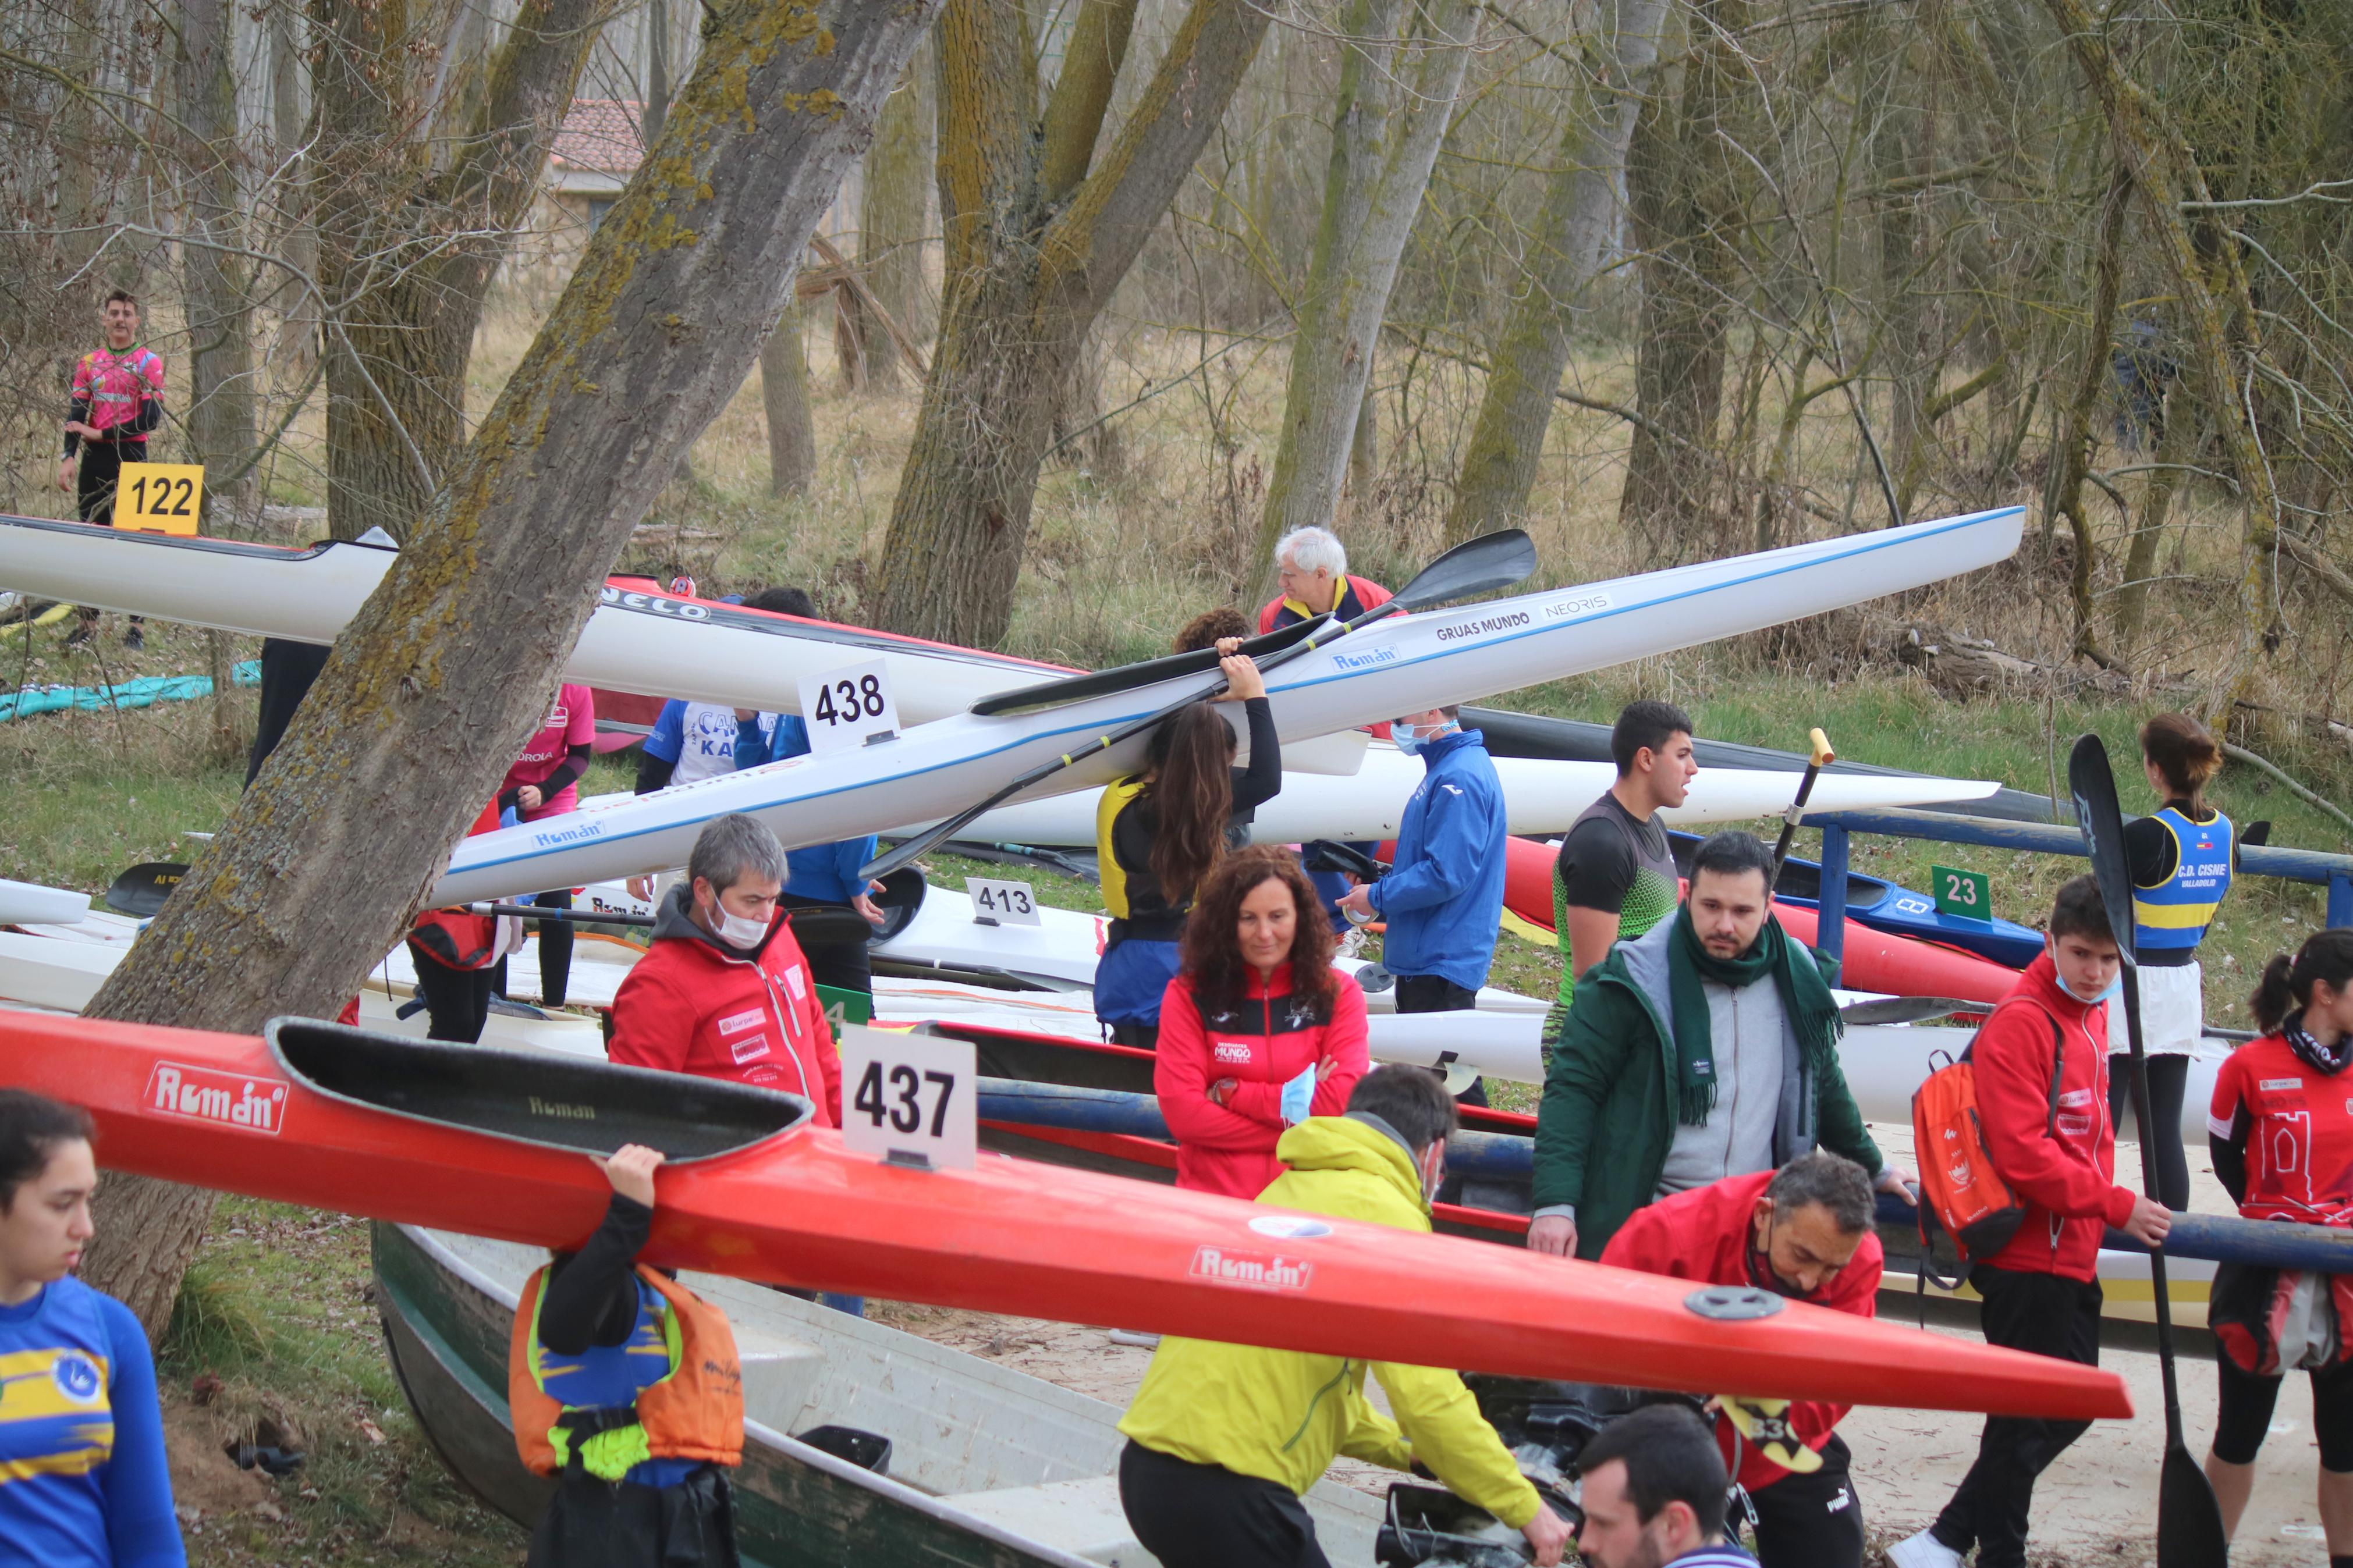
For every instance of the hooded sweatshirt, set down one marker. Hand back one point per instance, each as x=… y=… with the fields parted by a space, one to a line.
x=696 y=1004
x=2062 y=1166
x=1281 y=1415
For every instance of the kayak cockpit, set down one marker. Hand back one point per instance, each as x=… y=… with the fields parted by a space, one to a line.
x=534 y=1097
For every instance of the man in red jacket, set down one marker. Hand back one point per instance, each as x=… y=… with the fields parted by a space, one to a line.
x=724 y=991
x=2057 y=1151
x=1311 y=575
x=1804 y=1232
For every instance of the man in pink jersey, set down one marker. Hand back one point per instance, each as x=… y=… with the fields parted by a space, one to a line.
x=118 y=398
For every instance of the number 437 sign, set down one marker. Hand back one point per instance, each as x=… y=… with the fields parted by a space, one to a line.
x=911 y=1100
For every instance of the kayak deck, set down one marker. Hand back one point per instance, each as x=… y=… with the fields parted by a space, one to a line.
x=533 y=1096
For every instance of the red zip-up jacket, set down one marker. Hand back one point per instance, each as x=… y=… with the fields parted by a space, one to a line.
x=1263 y=1041
x=2064 y=1168
x=1704 y=1234
x=691 y=1005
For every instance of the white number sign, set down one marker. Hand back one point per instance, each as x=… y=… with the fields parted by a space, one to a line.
x=914 y=1100
x=997 y=903
x=849 y=706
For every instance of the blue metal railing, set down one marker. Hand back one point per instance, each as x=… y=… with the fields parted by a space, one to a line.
x=2334 y=872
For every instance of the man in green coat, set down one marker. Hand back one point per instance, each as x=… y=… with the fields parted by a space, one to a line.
x=1706 y=1048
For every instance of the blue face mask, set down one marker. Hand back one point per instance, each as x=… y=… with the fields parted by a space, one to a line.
x=2116 y=987
x=1410 y=738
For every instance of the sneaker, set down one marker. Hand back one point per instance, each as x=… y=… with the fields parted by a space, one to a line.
x=82 y=632
x=134 y=639
x=1923 y=1551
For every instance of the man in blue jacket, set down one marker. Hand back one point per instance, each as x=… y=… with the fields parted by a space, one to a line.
x=1443 y=895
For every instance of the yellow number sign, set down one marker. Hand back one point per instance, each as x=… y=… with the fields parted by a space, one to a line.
x=160 y=497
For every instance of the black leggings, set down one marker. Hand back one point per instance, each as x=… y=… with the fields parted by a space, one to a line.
x=555 y=953
x=1205 y=1516
x=2246 y=1413
x=457 y=1001
x=2168 y=1077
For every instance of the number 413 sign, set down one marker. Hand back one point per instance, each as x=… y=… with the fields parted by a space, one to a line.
x=911 y=1100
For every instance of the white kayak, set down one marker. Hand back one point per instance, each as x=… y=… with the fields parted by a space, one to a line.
x=29 y=903
x=1399 y=666
x=1540 y=796
x=1884 y=1067
x=58 y=968
x=658 y=644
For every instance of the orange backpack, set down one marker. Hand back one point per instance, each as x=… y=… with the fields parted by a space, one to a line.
x=1959 y=1188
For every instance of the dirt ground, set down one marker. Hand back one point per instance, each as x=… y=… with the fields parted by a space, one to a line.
x=2097 y=1505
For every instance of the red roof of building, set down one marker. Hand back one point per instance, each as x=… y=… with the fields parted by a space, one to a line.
x=600 y=133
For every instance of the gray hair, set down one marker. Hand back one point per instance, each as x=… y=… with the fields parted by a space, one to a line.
x=734 y=847
x=1836 y=1182
x=1312 y=550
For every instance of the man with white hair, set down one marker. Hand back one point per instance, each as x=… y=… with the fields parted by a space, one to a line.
x=1311 y=573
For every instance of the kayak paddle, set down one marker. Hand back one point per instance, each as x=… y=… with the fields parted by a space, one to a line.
x=140 y=892
x=1493 y=561
x=2189 y=1531
x=578 y=916
x=1818 y=756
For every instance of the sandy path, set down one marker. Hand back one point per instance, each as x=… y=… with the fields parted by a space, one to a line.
x=2098 y=1504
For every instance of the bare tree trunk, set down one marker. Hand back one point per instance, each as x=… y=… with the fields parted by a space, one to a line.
x=1032 y=261
x=1400 y=76
x=326 y=858
x=1498 y=465
x=297 y=350
x=2205 y=263
x=1365 y=455
x=397 y=370
x=2179 y=424
x=895 y=212
x=1688 y=194
x=221 y=311
x=784 y=397
x=2073 y=457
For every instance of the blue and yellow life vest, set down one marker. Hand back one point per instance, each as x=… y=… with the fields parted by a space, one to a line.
x=2173 y=916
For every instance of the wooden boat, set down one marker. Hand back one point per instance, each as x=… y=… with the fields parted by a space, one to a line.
x=489 y=1141
x=987 y=1467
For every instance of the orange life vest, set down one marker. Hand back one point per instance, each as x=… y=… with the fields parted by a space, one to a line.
x=694 y=1411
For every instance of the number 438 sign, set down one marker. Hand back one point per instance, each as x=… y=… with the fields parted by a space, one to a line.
x=849 y=707
x=912 y=1100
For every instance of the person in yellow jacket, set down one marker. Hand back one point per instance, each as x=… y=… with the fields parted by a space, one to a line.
x=1224 y=1440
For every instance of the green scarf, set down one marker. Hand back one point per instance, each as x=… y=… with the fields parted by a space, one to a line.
x=1806 y=1000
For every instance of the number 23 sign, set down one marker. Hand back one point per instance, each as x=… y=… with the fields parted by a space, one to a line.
x=912 y=1100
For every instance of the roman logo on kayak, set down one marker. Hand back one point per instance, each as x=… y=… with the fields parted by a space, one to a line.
x=572 y=835
x=206 y=1094
x=653 y=604
x=1251 y=1271
x=1480 y=628
x=1365 y=660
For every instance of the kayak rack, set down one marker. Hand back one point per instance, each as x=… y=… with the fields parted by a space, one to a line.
x=2334 y=872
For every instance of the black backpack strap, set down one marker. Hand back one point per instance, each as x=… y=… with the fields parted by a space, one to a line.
x=2058 y=1067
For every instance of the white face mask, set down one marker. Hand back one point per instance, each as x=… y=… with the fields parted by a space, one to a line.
x=737 y=930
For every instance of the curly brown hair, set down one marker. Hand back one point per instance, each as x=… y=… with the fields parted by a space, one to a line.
x=1212 y=954
x=1204 y=629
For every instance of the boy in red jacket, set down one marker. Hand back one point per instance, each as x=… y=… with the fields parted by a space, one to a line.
x=724 y=991
x=1803 y=1232
x=2058 y=1153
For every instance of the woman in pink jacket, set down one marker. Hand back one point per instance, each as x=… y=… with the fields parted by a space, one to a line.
x=1258 y=1032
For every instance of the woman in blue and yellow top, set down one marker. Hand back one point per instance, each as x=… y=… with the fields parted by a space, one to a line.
x=2182 y=860
x=83 y=1482
x=1159 y=832
x=625 y=1385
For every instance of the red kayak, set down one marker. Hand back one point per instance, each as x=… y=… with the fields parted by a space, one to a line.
x=489 y=1141
x=1873 y=961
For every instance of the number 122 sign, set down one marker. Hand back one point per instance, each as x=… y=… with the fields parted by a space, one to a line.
x=160 y=497
x=912 y=1100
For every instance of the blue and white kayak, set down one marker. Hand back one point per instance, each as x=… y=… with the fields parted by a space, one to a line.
x=1403 y=665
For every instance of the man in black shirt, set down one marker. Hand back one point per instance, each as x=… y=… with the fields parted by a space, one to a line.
x=1616 y=876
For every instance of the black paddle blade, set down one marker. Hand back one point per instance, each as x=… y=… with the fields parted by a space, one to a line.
x=2188 y=1519
x=2093 y=785
x=140 y=892
x=1129 y=676
x=1500 y=560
